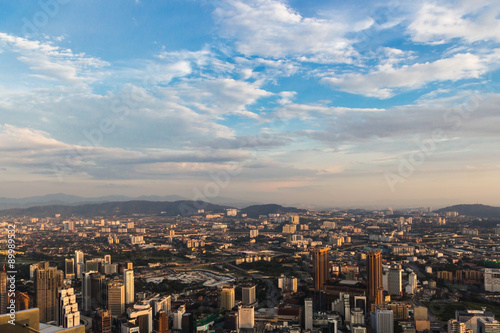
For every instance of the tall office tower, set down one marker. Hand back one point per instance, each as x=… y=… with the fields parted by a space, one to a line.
x=141 y=314
x=226 y=297
x=160 y=323
x=101 y=322
x=248 y=294
x=384 y=321
x=188 y=323
x=320 y=264
x=48 y=280
x=115 y=292
x=107 y=259
x=130 y=265
x=163 y=303
x=79 y=264
x=488 y=325
x=3 y=292
x=454 y=326
x=86 y=291
x=97 y=291
x=67 y=309
x=92 y=265
x=69 y=268
x=412 y=281
x=374 y=271
x=178 y=317
x=308 y=314
x=246 y=316
x=128 y=280
x=395 y=281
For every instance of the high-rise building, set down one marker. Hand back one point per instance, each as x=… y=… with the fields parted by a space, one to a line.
x=67 y=308
x=384 y=321
x=188 y=323
x=69 y=268
x=101 y=323
x=488 y=325
x=287 y=283
x=412 y=281
x=320 y=266
x=308 y=314
x=97 y=291
x=177 y=324
x=107 y=259
x=246 y=316
x=160 y=322
x=116 y=298
x=141 y=314
x=395 y=281
x=374 y=272
x=86 y=291
x=163 y=303
x=128 y=280
x=79 y=264
x=226 y=297
x=3 y=292
x=248 y=294
x=48 y=280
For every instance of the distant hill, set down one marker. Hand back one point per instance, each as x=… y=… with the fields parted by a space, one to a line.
x=476 y=210
x=256 y=210
x=67 y=199
x=182 y=207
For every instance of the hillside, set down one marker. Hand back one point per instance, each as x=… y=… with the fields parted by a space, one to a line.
x=476 y=210
x=182 y=207
x=256 y=210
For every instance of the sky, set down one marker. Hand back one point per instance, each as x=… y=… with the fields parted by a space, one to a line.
x=308 y=103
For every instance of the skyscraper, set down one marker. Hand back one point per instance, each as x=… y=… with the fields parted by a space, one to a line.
x=320 y=265
x=69 y=268
x=226 y=297
x=160 y=322
x=101 y=322
x=97 y=291
x=67 y=309
x=308 y=314
x=115 y=292
x=385 y=321
x=48 y=280
x=248 y=294
x=79 y=264
x=128 y=280
x=395 y=281
x=374 y=272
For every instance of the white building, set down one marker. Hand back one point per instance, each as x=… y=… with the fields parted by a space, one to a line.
x=246 y=314
x=141 y=315
x=308 y=314
x=384 y=321
x=492 y=280
x=67 y=309
x=128 y=281
x=177 y=324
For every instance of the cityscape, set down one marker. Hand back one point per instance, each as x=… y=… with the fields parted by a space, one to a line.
x=249 y=166
x=264 y=268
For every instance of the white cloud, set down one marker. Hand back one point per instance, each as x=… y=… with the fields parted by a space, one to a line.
x=386 y=79
x=472 y=21
x=272 y=29
x=53 y=63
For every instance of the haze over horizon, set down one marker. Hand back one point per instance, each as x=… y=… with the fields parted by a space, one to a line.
x=327 y=103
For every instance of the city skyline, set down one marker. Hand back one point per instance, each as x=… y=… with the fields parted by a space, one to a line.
x=331 y=104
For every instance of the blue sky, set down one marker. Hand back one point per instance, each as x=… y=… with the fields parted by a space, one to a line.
x=326 y=103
